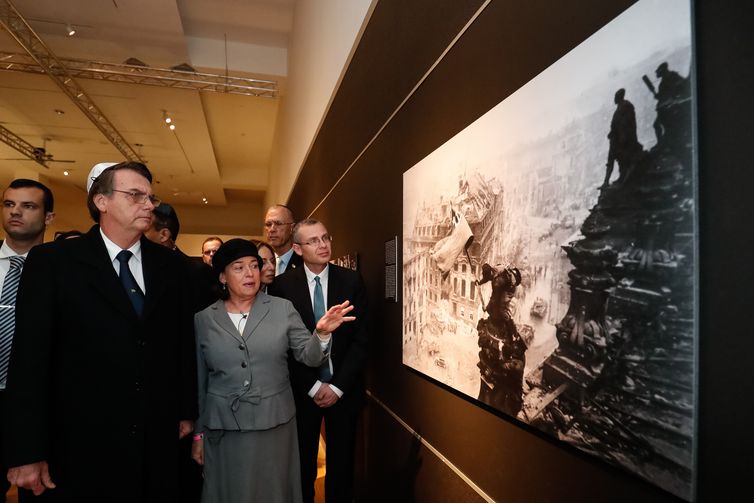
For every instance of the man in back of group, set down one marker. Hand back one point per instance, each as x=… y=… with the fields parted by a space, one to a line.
x=27 y=211
x=209 y=247
x=278 y=231
x=102 y=376
x=335 y=391
x=164 y=231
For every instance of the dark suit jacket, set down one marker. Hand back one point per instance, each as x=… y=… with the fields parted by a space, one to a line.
x=205 y=286
x=296 y=262
x=348 y=350
x=92 y=388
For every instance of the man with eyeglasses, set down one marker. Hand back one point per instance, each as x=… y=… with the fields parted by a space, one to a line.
x=209 y=248
x=102 y=378
x=278 y=231
x=335 y=391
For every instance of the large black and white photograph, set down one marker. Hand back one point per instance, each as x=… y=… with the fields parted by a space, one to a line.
x=549 y=251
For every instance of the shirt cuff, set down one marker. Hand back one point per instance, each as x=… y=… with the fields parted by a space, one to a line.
x=336 y=390
x=314 y=389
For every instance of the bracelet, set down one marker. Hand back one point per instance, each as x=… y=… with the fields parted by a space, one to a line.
x=198 y=436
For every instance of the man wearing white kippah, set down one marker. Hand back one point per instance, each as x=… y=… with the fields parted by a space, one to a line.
x=102 y=376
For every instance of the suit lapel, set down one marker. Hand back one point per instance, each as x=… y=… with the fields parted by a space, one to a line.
x=302 y=298
x=220 y=315
x=259 y=311
x=155 y=277
x=99 y=271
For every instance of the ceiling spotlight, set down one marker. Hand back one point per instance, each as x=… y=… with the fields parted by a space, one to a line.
x=69 y=29
x=59 y=111
x=66 y=173
x=206 y=202
x=168 y=120
x=204 y=199
x=172 y=127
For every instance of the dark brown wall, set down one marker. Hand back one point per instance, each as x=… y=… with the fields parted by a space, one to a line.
x=506 y=46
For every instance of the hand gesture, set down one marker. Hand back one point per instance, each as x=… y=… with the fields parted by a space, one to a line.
x=334 y=317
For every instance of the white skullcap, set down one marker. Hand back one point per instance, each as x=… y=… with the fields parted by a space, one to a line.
x=97 y=171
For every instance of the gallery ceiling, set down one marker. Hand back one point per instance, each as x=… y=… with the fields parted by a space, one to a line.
x=214 y=167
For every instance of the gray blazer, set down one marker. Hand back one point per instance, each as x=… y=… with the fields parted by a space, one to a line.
x=243 y=380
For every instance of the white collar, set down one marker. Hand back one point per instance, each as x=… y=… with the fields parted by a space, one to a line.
x=8 y=252
x=113 y=250
x=322 y=276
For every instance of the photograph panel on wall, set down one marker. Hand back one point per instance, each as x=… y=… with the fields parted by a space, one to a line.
x=549 y=251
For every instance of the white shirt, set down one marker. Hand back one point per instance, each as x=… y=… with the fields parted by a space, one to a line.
x=135 y=264
x=6 y=252
x=282 y=262
x=323 y=281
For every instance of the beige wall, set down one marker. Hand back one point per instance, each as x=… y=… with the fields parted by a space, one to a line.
x=325 y=32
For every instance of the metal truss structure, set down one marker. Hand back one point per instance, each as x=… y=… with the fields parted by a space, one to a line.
x=145 y=75
x=13 y=140
x=44 y=58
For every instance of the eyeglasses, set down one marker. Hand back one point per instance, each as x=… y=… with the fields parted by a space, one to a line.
x=140 y=197
x=209 y=253
x=240 y=268
x=317 y=242
x=276 y=223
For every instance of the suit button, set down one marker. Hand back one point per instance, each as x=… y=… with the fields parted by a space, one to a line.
x=241 y=347
x=137 y=386
x=243 y=365
x=133 y=429
x=141 y=343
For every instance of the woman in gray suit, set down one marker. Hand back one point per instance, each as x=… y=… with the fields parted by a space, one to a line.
x=246 y=431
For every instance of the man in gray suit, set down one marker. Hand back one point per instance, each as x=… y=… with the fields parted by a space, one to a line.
x=102 y=377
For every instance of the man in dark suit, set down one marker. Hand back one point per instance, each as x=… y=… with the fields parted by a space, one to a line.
x=278 y=231
x=334 y=392
x=102 y=378
x=203 y=281
x=27 y=210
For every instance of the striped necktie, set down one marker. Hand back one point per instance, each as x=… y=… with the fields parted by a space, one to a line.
x=8 y=312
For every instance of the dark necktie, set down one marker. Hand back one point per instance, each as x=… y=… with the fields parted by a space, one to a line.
x=319 y=311
x=8 y=312
x=135 y=295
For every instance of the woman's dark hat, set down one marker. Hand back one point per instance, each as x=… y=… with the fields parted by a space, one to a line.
x=232 y=250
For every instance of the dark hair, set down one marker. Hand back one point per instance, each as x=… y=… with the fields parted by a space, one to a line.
x=103 y=184
x=303 y=223
x=23 y=183
x=263 y=244
x=166 y=218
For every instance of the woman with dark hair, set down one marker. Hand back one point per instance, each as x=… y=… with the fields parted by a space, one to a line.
x=269 y=263
x=245 y=436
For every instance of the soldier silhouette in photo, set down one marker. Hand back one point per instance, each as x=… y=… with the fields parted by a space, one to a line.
x=624 y=146
x=671 y=94
x=502 y=354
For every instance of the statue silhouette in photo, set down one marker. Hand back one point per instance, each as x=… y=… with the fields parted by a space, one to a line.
x=673 y=108
x=502 y=353
x=620 y=382
x=624 y=146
